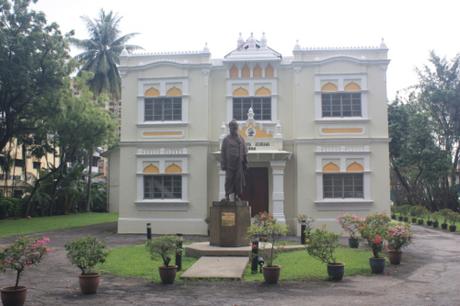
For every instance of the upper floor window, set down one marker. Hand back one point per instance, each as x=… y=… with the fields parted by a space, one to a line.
x=341 y=104
x=261 y=104
x=166 y=108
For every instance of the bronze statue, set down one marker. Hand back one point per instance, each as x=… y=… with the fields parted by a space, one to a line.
x=234 y=161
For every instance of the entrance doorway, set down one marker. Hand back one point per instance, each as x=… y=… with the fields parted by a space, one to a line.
x=256 y=189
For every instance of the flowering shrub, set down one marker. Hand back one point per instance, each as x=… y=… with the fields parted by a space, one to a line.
x=376 y=245
x=375 y=224
x=86 y=253
x=399 y=236
x=266 y=226
x=351 y=224
x=24 y=252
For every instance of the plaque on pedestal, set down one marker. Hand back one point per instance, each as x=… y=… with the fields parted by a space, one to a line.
x=229 y=223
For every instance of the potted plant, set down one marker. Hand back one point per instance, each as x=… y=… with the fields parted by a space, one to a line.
x=273 y=231
x=322 y=245
x=436 y=216
x=453 y=219
x=86 y=253
x=445 y=213
x=165 y=247
x=351 y=224
x=374 y=229
x=305 y=226
x=399 y=236
x=23 y=253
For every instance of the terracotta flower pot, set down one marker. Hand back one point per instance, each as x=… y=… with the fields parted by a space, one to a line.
x=395 y=257
x=89 y=283
x=377 y=265
x=335 y=271
x=271 y=274
x=353 y=243
x=167 y=274
x=12 y=296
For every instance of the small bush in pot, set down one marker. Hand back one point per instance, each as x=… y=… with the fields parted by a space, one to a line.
x=399 y=236
x=273 y=232
x=453 y=218
x=436 y=217
x=445 y=214
x=165 y=247
x=86 y=253
x=322 y=245
x=351 y=224
x=375 y=229
x=23 y=253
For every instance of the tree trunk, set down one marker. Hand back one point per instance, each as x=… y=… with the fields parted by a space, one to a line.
x=88 y=186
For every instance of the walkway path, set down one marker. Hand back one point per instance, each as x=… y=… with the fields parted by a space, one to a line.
x=430 y=275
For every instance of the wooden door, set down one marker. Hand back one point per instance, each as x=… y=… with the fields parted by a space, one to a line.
x=256 y=189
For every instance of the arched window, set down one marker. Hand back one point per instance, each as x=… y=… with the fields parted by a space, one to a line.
x=257 y=72
x=233 y=72
x=269 y=72
x=165 y=108
x=340 y=104
x=245 y=72
x=152 y=92
x=352 y=87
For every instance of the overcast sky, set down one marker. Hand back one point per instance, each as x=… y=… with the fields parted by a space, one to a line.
x=411 y=29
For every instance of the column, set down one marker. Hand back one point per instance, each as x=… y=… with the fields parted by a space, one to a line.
x=278 y=189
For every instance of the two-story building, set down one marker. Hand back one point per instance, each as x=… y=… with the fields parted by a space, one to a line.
x=315 y=123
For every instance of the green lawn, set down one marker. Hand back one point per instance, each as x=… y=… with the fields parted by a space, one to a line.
x=135 y=261
x=11 y=227
x=297 y=265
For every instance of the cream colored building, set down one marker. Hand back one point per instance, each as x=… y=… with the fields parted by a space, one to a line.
x=315 y=123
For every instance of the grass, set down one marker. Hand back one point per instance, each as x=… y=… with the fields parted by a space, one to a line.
x=134 y=261
x=298 y=265
x=11 y=227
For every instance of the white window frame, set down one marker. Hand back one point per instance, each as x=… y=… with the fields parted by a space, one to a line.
x=340 y=80
x=162 y=162
x=252 y=86
x=162 y=85
x=343 y=160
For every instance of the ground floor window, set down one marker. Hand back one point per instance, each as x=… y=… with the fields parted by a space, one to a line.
x=162 y=186
x=343 y=185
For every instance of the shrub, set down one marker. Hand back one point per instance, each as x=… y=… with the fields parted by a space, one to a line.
x=322 y=245
x=86 y=253
x=445 y=214
x=351 y=224
x=164 y=246
x=270 y=229
x=399 y=236
x=375 y=224
x=24 y=252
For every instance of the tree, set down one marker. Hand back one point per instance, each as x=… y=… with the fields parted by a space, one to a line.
x=439 y=95
x=102 y=51
x=33 y=61
x=416 y=160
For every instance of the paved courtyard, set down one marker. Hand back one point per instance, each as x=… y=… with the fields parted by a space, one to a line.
x=429 y=275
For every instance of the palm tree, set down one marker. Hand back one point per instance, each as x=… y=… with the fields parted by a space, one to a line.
x=101 y=52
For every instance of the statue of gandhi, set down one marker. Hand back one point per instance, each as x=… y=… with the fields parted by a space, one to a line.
x=234 y=161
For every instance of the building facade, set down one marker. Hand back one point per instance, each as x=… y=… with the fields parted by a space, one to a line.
x=315 y=123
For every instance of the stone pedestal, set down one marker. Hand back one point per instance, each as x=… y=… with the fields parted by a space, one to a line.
x=229 y=223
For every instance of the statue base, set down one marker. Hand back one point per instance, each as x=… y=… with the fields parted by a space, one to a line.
x=229 y=223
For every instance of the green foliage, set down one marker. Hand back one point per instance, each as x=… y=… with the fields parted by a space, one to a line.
x=102 y=51
x=322 y=245
x=24 y=252
x=164 y=246
x=34 y=62
x=10 y=207
x=375 y=224
x=425 y=136
x=419 y=211
x=267 y=227
x=86 y=253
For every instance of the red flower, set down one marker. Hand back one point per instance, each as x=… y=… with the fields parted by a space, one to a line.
x=377 y=239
